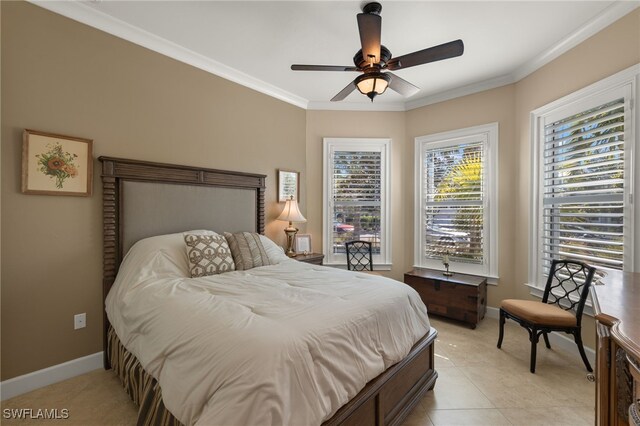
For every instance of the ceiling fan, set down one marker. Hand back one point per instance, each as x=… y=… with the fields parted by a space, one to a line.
x=374 y=58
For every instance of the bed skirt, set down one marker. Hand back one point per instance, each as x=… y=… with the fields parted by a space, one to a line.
x=143 y=389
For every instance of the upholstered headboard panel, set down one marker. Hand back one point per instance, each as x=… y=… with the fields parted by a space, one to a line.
x=164 y=208
x=141 y=199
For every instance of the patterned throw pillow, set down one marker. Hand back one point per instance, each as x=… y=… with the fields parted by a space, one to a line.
x=208 y=255
x=247 y=250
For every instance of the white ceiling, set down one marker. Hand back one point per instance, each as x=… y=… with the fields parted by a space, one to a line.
x=255 y=43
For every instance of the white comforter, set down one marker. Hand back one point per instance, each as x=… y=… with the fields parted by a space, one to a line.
x=286 y=344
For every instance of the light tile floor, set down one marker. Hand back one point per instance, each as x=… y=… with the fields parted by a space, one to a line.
x=478 y=384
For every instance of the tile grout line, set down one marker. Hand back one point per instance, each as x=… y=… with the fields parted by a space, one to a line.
x=501 y=410
x=472 y=409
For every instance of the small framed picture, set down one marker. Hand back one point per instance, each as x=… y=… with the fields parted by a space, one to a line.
x=56 y=164
x=303 y=244
x=288 y=185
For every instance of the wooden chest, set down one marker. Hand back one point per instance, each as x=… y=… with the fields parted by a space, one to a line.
x=461 y=297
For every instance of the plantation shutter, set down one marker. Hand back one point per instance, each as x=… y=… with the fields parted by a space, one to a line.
x=357 y=198
x=454 y=192
x=583 y=194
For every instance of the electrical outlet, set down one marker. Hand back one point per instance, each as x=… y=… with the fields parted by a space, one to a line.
x=79 y=321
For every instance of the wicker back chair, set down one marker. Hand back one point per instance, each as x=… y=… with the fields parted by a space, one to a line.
x=359 y=257
x=561 y=307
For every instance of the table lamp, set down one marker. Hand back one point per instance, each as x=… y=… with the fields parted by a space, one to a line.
x=291 y=213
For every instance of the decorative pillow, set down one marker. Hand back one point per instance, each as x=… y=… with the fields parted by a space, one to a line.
x=247 y=250
x=274 y=251
x=208 y=255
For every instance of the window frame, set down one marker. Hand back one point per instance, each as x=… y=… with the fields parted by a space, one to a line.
x=489 y=135
x=622 y=84
x=382 y=261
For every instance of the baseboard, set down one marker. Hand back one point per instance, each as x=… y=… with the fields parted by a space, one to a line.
x=557 y=340
x=47 y=376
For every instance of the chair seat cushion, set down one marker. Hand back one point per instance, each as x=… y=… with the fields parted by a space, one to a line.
x=539 y=313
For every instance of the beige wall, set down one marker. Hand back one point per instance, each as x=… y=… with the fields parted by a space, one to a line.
x=613 y=49
x=616 y=48
x=351 y=124
x=64 y=77
x=481 y=108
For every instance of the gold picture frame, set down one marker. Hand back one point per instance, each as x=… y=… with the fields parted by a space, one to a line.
x=288 y=185
x=56 y=164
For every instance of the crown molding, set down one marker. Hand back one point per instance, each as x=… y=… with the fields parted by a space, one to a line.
x=94 y=18
x=611 y=14
x=356 y=106
x=89 y=16
x=458 y=92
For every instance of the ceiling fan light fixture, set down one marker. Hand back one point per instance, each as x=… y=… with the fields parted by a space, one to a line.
x=374 y=57
x=372 y=84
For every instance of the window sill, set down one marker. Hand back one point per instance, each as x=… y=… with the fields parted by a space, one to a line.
x=376 y=266
x=539 y=292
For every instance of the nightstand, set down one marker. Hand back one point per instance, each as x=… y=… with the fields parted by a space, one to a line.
x=461 y=297
x=315 y=258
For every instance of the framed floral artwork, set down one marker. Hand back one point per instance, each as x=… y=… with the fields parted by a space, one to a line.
x=288 y=185
x=56 y=164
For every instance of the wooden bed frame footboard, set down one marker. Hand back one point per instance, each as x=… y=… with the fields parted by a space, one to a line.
x=389 y=398
x=386 y=400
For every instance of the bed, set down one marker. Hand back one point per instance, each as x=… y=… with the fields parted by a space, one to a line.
x=143 y=199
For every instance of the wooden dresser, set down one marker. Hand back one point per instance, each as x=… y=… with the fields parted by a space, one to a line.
x=616 y=303
x=461 y=297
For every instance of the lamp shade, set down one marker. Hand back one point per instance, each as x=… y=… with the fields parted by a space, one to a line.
x=372 y=84
x=291 y=212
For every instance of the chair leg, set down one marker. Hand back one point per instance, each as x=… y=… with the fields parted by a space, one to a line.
x=578 y=338
x=501 y=335
x=546 y=340
x=534 y=336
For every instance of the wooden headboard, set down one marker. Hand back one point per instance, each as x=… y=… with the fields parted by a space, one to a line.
x=142 y=199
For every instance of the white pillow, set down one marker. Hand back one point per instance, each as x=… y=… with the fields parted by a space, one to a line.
x=170 y=245
x=274 y=251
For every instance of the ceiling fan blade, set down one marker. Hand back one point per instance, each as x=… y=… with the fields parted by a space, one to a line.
x=431 y=54
x=370 y=27
x=297 y=67
x=344 y=92
x=402 y=86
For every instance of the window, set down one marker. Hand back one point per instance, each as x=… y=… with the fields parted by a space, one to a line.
x=583 y=150
x=356 y=198
x=456 y=200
